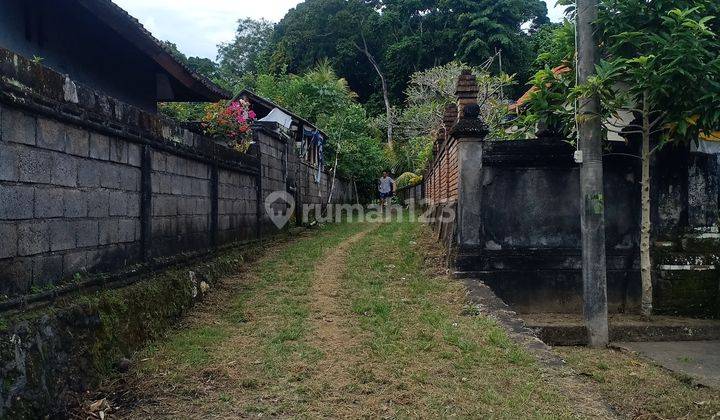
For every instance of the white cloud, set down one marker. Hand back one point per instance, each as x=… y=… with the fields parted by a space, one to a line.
x=197 y=26
x=556 y=13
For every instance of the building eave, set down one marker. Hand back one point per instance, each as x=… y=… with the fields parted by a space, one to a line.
x=131 y=29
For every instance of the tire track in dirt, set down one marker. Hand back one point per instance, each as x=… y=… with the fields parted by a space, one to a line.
x=331 y=330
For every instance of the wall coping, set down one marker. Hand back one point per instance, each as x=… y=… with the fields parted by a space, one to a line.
x=534 y=152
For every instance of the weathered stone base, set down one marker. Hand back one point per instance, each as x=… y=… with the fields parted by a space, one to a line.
x=568 y=329
x=47 y=355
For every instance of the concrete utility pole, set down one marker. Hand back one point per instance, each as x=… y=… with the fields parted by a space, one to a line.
x=591 y=184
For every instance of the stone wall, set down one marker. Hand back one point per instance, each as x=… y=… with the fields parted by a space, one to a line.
x=284 y=170
x=413 y=193
x=529 y=228
x=518 y=218
x=90 y=184
x=74 y=197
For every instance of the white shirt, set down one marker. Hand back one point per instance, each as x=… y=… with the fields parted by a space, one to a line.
x=385 y=185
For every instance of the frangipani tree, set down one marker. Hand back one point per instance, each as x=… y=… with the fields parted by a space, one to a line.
x=662 y=64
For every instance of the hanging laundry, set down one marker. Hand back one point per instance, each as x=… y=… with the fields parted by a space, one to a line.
x=307 y=138
x=319 y=142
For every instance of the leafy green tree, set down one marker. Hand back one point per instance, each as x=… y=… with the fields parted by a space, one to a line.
x=663 y=65
x=554 y=45
x=547 y=111
x=403 y=37
x=326 y=100
x=248 y=53
x=428 y=94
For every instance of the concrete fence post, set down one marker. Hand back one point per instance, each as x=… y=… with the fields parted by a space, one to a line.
x=214 y=205
x=146 y=202
x=469 y=133
x=470 y=152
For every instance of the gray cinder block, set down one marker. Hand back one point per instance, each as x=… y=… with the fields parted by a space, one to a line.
x=34 y=165
x=75 y=203
x=118 y=150
x=118 y=203
x=50 y=134
x=17 y=201
x=99 y=146
x=64 y=170
x=8 y=243
x=8 y=163
x=62 y=235
x=98 y=203
x=108 y=232
x=48 y=202
x=87 y=233
x=77 y=142
x=33 y=238
x=18 y=127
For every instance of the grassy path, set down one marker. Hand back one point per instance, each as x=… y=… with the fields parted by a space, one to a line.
x=354 y=321
x=349 y=322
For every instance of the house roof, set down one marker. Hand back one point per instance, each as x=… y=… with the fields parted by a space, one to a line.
x=268 y=105
x=131 y=29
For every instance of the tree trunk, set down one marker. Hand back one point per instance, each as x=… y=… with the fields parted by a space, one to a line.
x=592 y=216
x=332 y=185
x=357 y=199
x=383 y=81
x=645 y=262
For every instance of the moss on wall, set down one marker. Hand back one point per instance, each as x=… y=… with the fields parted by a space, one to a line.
x=49 y=354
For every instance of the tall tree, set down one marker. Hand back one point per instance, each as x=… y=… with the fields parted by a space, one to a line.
x=669 y=70
x=405 y=36
x=248 y=51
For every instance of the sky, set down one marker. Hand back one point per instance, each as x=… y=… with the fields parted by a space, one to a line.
x=198 y=26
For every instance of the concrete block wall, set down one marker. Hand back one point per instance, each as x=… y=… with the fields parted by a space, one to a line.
x=69 y=199
x=237 y=206
x=181 y=204
x=283 y=168
x=529 y=251
x=90 y=184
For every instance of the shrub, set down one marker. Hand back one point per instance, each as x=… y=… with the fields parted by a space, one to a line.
x=231 y=123
x=408 y=179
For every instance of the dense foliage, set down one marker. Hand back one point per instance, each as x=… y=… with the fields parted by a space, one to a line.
x=408 y=36
x=427 y=96
x=668 y=50
x=326 y=100
x=392 y=53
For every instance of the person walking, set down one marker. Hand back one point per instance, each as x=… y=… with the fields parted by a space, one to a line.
x=386 y=187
